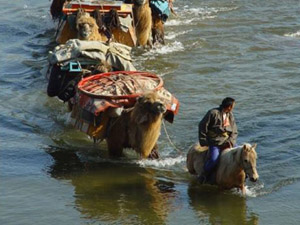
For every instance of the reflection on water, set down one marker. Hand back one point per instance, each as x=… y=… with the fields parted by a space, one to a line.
x=114 y=191
x=125 y=193
x=219 y=207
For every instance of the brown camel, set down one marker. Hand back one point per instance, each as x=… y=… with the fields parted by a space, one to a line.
x=87 y=28
x=143 y=21
x=138 y=128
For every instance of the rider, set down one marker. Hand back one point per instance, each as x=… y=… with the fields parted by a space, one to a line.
x=218 y=131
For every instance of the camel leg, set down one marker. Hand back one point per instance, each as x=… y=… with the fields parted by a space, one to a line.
x=149 y=44
x=154 y=153
x=243 y=189
x=115 y=140
x=114 y=149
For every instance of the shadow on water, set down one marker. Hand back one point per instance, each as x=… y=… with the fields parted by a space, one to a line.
x=219 y=207
x=113 y=191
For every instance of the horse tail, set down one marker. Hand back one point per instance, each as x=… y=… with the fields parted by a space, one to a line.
x=190 y=161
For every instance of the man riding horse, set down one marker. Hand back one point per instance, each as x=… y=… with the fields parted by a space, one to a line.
x=218 y=131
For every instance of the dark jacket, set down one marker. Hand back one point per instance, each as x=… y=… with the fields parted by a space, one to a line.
x=212 y=132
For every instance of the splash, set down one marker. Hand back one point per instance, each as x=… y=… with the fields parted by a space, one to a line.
x=197 y=14
x=161 y=163
x=297 y=34
x=173 y=35
x=176 y=22
x=207 y=11
x=253 y=191
x=165 y=49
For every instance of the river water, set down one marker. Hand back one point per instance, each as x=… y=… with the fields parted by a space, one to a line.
x=53 y=174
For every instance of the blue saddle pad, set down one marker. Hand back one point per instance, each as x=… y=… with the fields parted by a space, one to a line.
x=161 y=7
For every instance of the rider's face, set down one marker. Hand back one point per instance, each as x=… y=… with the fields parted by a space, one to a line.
x=229 y=108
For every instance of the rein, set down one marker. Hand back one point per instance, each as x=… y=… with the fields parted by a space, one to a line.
x=242 y=163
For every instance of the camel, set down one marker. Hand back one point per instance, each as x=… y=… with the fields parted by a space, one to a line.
x=158 y=30
x=143 y=22
x=56 y=8
x=87 y=28
x=234 y=165
x=160 y=15
x=138 y=127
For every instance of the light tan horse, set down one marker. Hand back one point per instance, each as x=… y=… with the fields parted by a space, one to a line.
x=232 y=168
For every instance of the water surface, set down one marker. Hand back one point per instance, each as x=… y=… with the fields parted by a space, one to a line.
x=53 y=174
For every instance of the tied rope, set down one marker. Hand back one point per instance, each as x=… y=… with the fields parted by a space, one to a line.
x=179 y=151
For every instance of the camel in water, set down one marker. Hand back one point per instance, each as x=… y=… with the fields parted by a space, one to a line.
x=143 y=22
x=149 y=20
x=137 y=128
x=234 y=165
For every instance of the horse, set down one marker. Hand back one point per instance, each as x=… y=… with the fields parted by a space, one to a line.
x=233 y=167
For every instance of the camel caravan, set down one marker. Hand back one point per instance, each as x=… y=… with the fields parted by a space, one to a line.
x=92 y=71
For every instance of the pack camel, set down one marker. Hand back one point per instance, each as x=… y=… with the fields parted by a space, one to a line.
x=97 y=20
x=124 y=108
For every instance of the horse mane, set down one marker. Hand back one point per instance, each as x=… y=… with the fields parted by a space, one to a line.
x=229 y=159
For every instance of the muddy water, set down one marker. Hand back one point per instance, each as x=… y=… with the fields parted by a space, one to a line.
x=53 y=174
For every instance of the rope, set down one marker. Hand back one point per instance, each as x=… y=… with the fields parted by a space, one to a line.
x=169 y=139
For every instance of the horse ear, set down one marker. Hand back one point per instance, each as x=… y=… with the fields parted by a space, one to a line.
x=254 y=145
x=246 y=148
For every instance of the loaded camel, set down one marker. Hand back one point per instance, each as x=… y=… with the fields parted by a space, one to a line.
x=158 y=19
x=87 y=28
x=147 y=22
x=150 y=20
x=234 y=165
x=143 y=22
x=137 y=128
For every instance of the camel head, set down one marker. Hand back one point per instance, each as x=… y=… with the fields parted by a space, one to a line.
x=140 y=2
x=149 y=108
x=249 y=157
x=85 y=25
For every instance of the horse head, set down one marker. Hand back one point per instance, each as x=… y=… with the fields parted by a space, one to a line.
x=248 y=158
